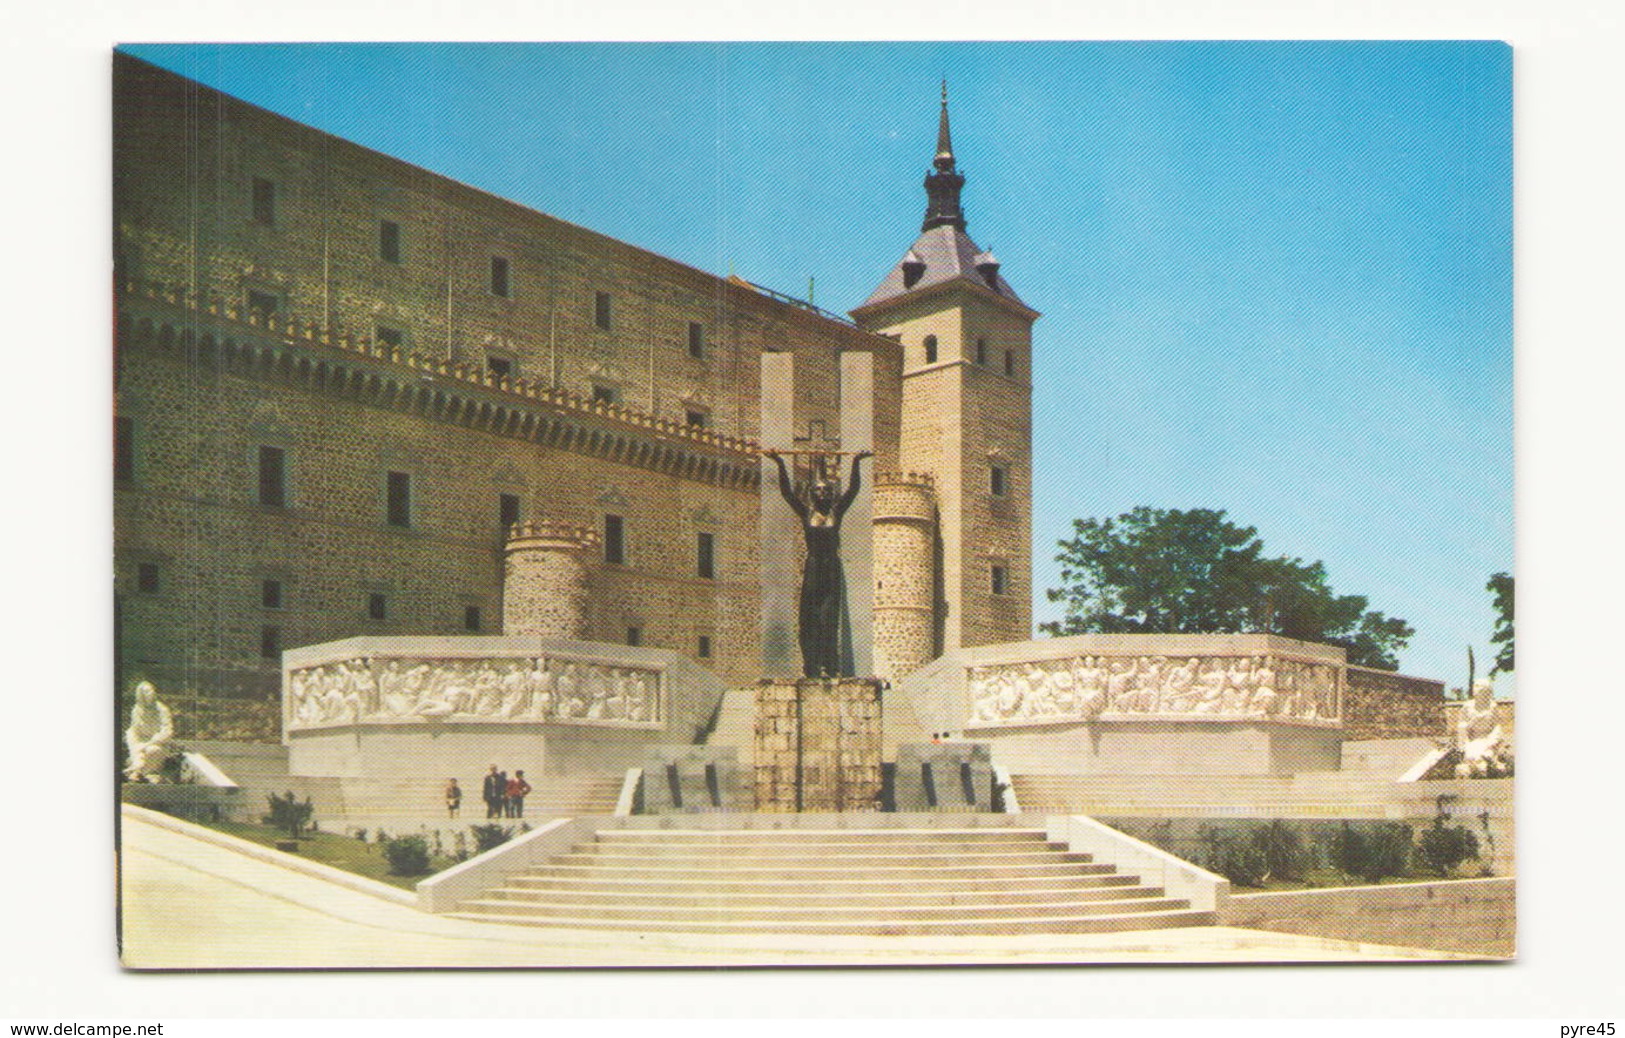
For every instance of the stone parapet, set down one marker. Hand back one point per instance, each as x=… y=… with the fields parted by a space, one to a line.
x=818 y=745
x=290 y=330
x=1379 y=704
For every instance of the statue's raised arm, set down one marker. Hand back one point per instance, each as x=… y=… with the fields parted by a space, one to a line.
x=786 y=489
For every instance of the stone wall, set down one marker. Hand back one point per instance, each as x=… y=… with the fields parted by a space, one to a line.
x=214 y=717
x=827 y=730
x=368 y=366
x=1477 y=916
x=1382 y=705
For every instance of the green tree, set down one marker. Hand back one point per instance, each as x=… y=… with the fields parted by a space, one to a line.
x=1168 y=571
x=1500 y=586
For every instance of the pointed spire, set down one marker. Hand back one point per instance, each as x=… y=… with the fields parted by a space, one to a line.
x=945 y=142
x=943 y=182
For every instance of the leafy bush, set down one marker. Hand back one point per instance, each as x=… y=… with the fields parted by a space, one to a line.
x=1252 y=855
x=1372 y=854
x=408 y=855
x=1236 y=855
x=289 y=815
x=1443 y=847
x=490 y=835
x=1282 y=845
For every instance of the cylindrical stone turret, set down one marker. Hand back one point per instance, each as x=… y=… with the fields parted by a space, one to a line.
x=544 y=584
x=905 y=529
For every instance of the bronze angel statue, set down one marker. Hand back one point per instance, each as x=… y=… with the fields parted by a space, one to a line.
x=822 y=581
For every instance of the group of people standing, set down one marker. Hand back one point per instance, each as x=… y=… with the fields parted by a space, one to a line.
x=504 y=795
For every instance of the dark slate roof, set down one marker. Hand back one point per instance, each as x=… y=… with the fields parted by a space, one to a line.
x=949 y=254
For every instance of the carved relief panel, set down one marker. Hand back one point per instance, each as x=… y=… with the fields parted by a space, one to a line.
x=515 y=689
x=1083 y=688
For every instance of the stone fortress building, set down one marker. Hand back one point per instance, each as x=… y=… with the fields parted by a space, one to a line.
x=351 y=393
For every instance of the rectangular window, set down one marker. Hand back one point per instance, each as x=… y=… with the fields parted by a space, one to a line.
x=981 y=352
x=634 y=636
x=600 y=310
x=614 y=539
x=706 y=555
x=507 y=510
x=471 y=618
x=398 y=508
x=996 y=480
x=389 y=241
x=999 y=581
x=930 y=349
x=264 y=202
x=146 y=578
x=390 y=336
x=704 y=651
x=263 y=303
x=501 y=367
x=271 y=642
x=499 y=276
x=273 y=491
x=697 y=419
x=1009 y=362
x=271 y=594
x=696 y=339
x=377 y=606
x=123 y=449
x=604 y=394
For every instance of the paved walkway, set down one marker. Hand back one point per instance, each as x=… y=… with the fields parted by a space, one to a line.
x=190 y=904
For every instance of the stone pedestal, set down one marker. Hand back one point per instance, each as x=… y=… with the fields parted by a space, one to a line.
x=818 y=744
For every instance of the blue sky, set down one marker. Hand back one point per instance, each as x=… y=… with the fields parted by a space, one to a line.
x=1276 y=277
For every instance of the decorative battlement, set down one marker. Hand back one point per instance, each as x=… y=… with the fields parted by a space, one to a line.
x=542 y=533
x=905 y=496
x=919 y=479
x=309 y=333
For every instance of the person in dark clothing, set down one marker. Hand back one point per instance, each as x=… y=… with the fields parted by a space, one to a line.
x=495 y=792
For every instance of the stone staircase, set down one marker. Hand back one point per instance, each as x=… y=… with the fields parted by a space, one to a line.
x=830 y=881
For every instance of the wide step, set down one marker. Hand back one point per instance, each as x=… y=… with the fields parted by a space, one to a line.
x=800 y=913
x=878 y=881
x=889 y=928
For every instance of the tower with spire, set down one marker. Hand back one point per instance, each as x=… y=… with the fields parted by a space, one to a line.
x=966 y=416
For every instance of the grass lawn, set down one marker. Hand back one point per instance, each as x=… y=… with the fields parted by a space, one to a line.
x=341 y=852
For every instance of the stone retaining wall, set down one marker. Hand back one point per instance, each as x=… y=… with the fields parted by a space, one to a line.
x=1478 y=916
x=229 y=720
